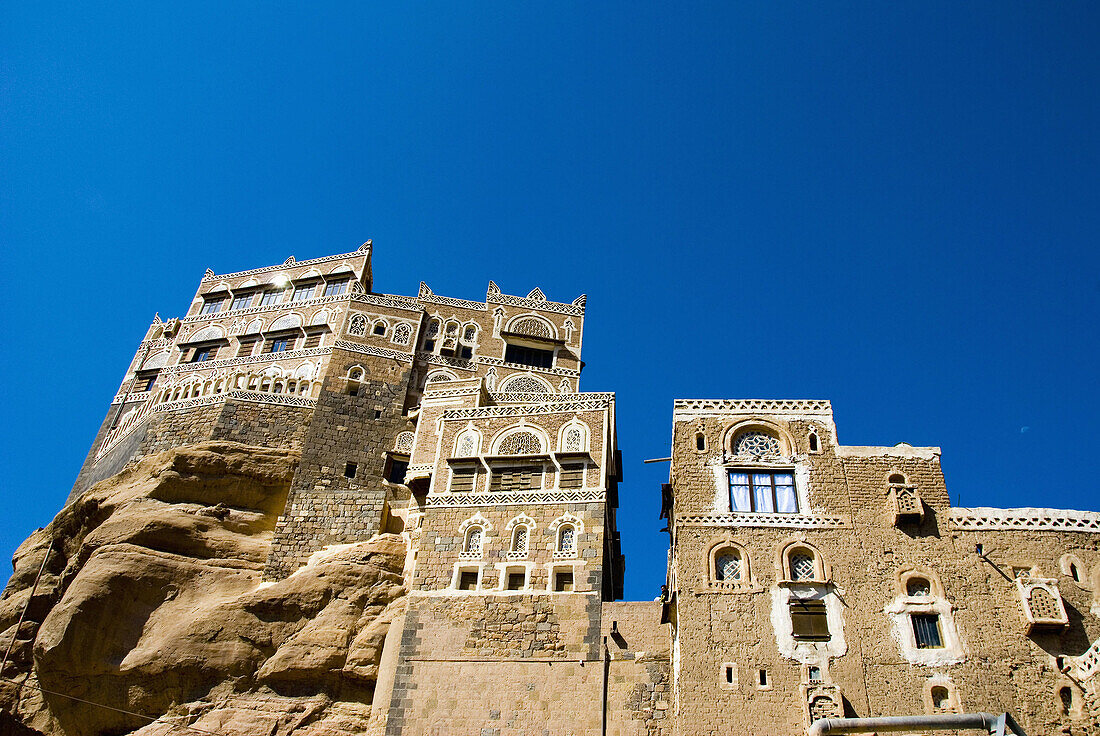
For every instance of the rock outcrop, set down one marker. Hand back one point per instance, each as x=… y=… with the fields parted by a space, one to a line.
x=151 y=602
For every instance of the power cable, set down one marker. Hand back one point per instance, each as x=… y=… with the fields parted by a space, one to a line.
x=109 y=707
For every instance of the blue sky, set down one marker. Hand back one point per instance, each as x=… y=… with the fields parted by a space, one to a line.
x=890 y=205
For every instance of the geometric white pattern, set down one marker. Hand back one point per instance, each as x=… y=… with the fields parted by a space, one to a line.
x=970 y=519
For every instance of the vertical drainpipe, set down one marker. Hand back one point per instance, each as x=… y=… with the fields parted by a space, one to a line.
x=603 y=689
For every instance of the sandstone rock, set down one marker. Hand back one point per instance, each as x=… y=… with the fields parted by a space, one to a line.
x=152 y=602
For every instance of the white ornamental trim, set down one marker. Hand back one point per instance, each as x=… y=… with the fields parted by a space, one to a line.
x=388 y=300
x=983 y=518
x=1088 y=664
x=461 y=364
x=246 y=360
x=486 y=360
x=546 y=306
x=452 y=302
x=785 y=521
x=373 y=350
x=751 y=406
x=481 y=412
x=516 y=499
x=249 y=311
x=210 y=276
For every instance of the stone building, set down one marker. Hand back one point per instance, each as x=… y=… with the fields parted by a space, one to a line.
x=806 y=579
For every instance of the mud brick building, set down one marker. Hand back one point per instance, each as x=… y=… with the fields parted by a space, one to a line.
x=806 y=578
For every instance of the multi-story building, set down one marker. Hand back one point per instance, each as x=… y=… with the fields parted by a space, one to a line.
x=806 y=578
x=811 y=579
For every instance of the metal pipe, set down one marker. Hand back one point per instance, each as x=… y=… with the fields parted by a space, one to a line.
x=603 y=688
x=893 y=724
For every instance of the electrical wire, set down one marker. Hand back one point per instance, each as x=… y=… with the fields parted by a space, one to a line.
x=109 y=707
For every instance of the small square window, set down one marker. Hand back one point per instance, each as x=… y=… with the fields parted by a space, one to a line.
x=380 y=328
x=349 y=470
x=204 y=353
x=516 y=580
x=466 y=353
x=926 y=631
x=809 y=620
x=467 y=580
x=397 y=470
x=281 y=344
x=563 y=581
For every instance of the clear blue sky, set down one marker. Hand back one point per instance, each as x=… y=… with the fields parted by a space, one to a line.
x=890 y=205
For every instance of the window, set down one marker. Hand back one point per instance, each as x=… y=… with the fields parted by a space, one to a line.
x=247 y=345
x=762 y=492
x=1074 y=572
x=926 y=630
x=467 y=580
x=465 y=352
x=572 y=476
x=700 y=442
x=567 y=538
x=803 y=567
x=462 y=480
x=212 y=306
x=397 y=471
x=727 y=565
x=941 y=699
x=241 y=302
x=757 y=444
x=519 y=539
x=813 y=442
x=520 y=443
x=204 y=353
x=1065 y=697
x=809 y=621
x=335 y=288
x=281 y=344
x=516 y=479
x=270 y=297
x=918 y=587
x=473 y=539
x=301 y=293
x=516 y=580
x=358 y=325
x=563 y=581
x=349 y=470
x=813 y=674
x=430 y=335
x=528 y=356
x=380 y=329
x=145 y=381
x=762 y=678
x=313 y=339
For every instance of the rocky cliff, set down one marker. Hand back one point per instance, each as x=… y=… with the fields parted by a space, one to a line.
x=151 y=606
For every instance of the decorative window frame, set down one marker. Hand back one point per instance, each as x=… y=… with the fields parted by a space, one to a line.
x=822 y=570
x=901 y=508
x=510 y=530
x=830 y=697
x=503 y=570
x=808 y=651
x=469 y=431
x=1025 y=587
x=357 y=318
x=812 y=435
x=902 y=609
x=408 y=333
x=732 y=432
x=742 y=584
x=1064 y=564
x=574 y=566
x=527 y=315
x=385 y=325
x=504 y=434
x=456 y=576
x=1077 y=709
x=464 y=528
x=555 y=530
x=585 y=434
x=515 y=377
x=433 y=376
x=451 y=477
x=356 y=373
x=403 y=442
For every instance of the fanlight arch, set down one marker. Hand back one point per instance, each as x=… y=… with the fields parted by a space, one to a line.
x=286 y=322
x=525 y=383
x=532 y=325
x=213 y=332
x=519 y=441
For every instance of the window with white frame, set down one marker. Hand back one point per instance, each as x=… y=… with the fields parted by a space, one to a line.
x=474 y=538
x=567 y=539
x=763 y=492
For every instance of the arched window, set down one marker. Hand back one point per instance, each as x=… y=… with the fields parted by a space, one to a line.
x=567 y=538
x=756 y=444
x=380 y=328
x=401 y=334
x=814 y=447
x=700 y=441
x=802 y=564
x=355 y=374
x=467 y=443
x=526 y=385
x=520 y=537
x=404 y=442
x=1065 y=697
x=469 y=333
x=918 y=587
x=1043 y=604
x=532 y=326
x=941 y=699
x=727 y=565
x=897 y=479
x=430 y=335
x=520 y=443
x=474 y=536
